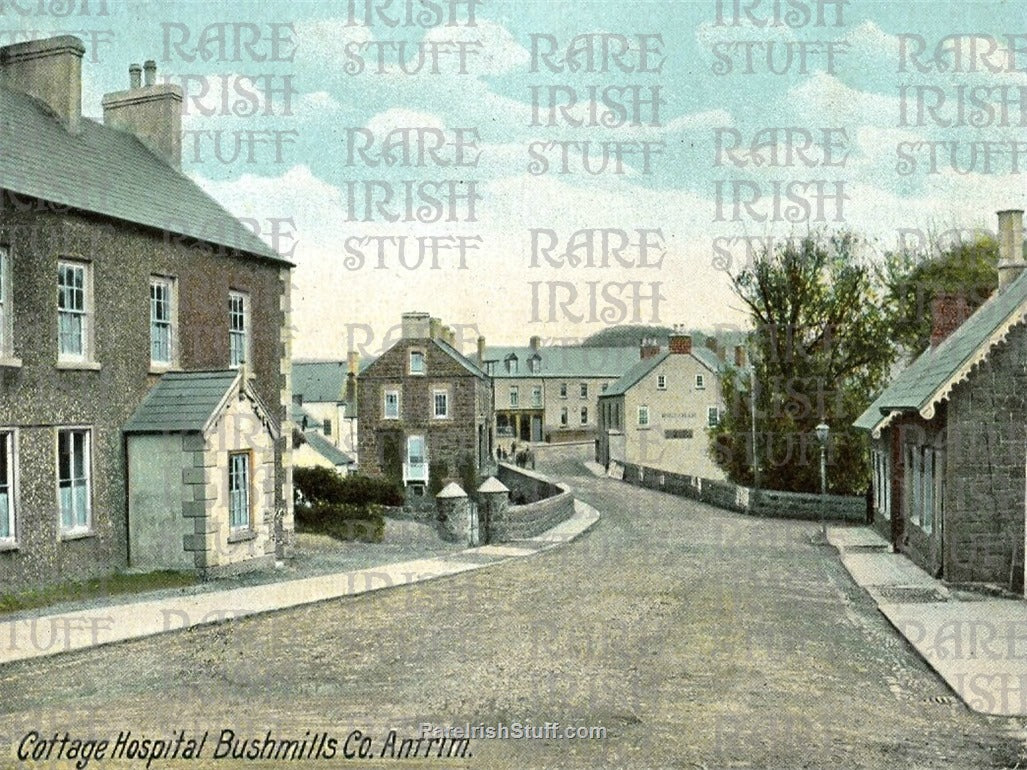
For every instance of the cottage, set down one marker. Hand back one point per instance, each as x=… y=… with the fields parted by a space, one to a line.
x=658 y=413
x=326 y=393
x=119 y=279
x=424 y=408
x=949 y=435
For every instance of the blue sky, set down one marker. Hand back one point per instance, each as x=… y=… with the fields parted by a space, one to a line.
x=306 y=179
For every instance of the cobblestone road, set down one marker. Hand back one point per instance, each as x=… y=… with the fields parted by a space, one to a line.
x=697 y=638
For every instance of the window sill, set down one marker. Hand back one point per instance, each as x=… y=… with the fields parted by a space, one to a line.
x=159 y=369
x=80 y=534
x=84 y=366
x=8 y=546
x=10 y=362
x=242 y=536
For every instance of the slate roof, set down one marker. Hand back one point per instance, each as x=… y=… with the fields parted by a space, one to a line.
x=327 y=449
x=565 y=361
x=182 y=402
x=460 y=358
x=320 y=381
x=109 y=172
x=928 y=380
x=641 y=368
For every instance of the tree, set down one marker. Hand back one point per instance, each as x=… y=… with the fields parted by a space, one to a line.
x=820 y=350
x=914 y=278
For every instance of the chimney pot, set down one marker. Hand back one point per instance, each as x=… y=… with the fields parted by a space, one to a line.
x=135 y=76
x=481 y=351
x=150 y=72
x=948 y=311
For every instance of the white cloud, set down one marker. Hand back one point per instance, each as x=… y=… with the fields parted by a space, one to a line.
x=499 y=51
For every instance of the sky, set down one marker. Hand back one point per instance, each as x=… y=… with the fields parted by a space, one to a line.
x=554 y=168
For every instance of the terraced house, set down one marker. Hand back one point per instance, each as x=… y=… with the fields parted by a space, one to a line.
x=143 y=353
x=549 y=392
x=949 y=434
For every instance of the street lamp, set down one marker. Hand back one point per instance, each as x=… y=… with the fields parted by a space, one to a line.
x=822 y=432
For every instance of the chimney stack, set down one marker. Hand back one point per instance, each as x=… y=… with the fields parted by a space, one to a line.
x=948 y=311
x=48 y=70
x=534 y=343
x=740 y=357
x=416 y=326
x=649 y=347
x=434 y=328
x=481 y=351
x=680 y=344
x=1010 y=247
x=153 y=112
x=353 y=368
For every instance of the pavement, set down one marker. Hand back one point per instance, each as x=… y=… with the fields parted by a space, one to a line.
x=38 y=634
x=975 y=642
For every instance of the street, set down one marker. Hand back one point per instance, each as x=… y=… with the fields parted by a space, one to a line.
x=698 y=638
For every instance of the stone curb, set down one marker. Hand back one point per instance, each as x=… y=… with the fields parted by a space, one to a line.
x=31 y=637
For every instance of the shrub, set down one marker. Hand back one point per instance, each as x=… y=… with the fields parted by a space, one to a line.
x=325 y=486
x=364 y=523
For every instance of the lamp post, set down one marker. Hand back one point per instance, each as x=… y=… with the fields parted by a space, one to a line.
x=822 y=433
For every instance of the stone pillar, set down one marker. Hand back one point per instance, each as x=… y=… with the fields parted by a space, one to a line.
x=495 y=499
x=454 y=514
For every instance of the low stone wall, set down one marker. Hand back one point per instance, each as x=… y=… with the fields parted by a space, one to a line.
x=769 y=503
x=526 y=486
x=551 y=503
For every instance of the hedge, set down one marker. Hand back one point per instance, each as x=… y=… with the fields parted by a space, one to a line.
x=343 y=521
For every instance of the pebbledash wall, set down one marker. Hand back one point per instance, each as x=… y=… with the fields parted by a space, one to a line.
x=39 y=396
x=768 y=503
x=549 y=503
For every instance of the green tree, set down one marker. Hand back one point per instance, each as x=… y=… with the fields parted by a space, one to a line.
x=819 y=351
x=914 y=278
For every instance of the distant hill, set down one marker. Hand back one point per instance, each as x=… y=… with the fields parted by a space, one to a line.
x=629 y=335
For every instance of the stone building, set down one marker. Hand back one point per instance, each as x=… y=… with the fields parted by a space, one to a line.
x=424 y=406
x=658 y=413
x=117 y=275
x=949 y=435
x=548 y=392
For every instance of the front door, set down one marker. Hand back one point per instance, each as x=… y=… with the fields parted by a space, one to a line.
x=536 y=428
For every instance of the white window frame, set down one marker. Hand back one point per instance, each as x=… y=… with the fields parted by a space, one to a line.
x=385 y=404
x=75 y=521
x=928 y=472
x=563 y=390
x=583 y=390
x=9 y=487
x=643 y=416
x=511 y=365
x=238 y=338
x=712 y=416
x=6 y=305
x=326 y=426
x=417 y=437
x=66 y=295
x=536 y=396
x=170 y=323
x=240 y=493
x=535 y=364
x=417 y=371
x=564 y=416
x=584 y=415
x=700 y=382
x=661 y=381
x=515 y=396
x=443 y=394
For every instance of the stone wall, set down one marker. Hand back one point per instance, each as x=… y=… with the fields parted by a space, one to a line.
x=769 y=503
x=984 y=495
x=551 y=504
